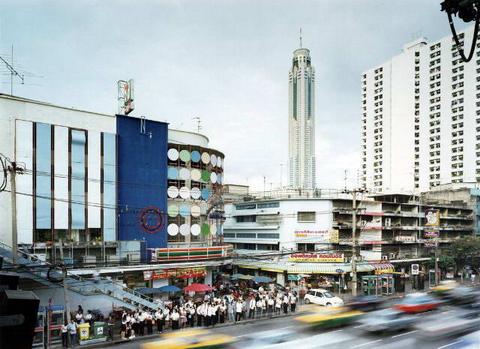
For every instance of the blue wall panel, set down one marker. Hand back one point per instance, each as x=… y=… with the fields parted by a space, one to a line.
x=142 y=181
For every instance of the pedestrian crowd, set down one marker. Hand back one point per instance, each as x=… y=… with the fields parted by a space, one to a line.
x=223 y=304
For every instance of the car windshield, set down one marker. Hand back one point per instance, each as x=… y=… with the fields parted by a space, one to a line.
x=328 y=294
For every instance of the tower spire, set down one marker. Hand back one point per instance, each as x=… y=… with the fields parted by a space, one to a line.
x=300 y=37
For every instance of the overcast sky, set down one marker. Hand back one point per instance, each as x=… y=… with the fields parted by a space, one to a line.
x=224 y=61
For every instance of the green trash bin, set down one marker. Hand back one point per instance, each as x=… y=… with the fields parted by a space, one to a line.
x=98 y=329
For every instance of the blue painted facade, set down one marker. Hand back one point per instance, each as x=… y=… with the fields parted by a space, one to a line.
x=142 y=179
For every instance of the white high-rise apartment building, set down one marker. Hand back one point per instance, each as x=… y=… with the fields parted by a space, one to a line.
x=301 y=121
x=421 y=117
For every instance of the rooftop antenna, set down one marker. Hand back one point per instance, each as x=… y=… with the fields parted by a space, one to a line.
x=199 y=123
x=345 y=179
x=13 y=72
x=300 y=37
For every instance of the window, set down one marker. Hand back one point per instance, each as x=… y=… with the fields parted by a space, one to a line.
x=268 y=205
x=246 y=219
x=246 y=207
x=306 y=247
x=305 y=216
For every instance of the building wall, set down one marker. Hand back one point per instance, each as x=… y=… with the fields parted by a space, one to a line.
x=28 y=125
x=431 y=118
x=279 y=221
x=142 y=178
x=195 y=204
x=185 y=137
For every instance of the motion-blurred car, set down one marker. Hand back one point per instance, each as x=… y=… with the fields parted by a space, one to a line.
x=417 y=302
x=365 y=303
x=329 y=317
x=469 y=341
x=461 y=295
x=444 y=286
x=449 y=324
x=191 y=339
x=322 y=297
x=266 y=339
x=386 y=320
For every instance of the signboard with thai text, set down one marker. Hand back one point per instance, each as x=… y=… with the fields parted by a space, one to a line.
x=405 y=238
x=330 y=235
x=178 y=273
x=317 y=257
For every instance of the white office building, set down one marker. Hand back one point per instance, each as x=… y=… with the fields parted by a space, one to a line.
x=301 y=121
x=421 y=117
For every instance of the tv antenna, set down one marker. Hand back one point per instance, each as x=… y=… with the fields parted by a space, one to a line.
x=13 y=72
x=300 y=37
x=199 y=123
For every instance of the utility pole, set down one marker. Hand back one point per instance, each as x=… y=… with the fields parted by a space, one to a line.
x=436 y=262
x=65 y=284
x=13 y=191
x=354 y=243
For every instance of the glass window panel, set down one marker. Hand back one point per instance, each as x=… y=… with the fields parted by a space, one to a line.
x=43 y=161
x=24 y=148
x=78 y=179
x=109 y=173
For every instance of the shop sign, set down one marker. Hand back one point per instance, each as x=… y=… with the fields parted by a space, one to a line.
x=431 y=234
x=373 y=242
x=134 y=279
x=330 y=235
x=316 y=257
x=433 y=218
x=430 y=243
x=384 y=271
x=294 y=277
x=405 y=238
x=178 y=273
x=450 y=275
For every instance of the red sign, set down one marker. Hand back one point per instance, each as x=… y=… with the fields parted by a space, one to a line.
x=179 y=273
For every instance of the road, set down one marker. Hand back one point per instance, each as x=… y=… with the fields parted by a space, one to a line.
x=346 y=337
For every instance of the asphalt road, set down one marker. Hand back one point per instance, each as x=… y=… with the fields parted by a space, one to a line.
x=346 y=337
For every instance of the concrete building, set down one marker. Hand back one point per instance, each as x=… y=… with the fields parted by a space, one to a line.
x=392 y=231
x=100 y=183
x=301 y=121
x=421 y=118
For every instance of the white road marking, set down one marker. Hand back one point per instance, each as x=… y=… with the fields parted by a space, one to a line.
x=247 y=334
x=450 y=344
x=358 y=326
x=361 y=345
x=332 y=332
x=404 y=334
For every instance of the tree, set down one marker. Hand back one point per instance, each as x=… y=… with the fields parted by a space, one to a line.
x=465 y=251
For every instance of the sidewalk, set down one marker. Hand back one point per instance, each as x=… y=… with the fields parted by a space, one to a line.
x=117 y=340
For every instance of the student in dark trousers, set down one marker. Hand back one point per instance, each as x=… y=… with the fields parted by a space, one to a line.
x=111 y=323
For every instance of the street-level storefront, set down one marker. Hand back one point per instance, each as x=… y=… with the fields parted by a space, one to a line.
x=332 y=276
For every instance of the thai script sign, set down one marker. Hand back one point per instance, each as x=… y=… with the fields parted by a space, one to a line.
x=179 y=273
x=330 y=235
x=316 y=257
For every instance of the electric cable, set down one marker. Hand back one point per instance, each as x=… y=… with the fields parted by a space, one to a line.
x=455 y=37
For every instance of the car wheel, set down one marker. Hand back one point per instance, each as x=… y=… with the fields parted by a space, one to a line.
x=328 y=304
x=307 y=301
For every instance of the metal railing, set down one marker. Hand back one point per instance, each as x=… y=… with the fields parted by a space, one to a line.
x=40 y=263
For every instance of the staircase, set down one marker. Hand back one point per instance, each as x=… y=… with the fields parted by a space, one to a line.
x=30 y=267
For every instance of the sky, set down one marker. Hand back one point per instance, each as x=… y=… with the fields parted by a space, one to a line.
x=225 y=61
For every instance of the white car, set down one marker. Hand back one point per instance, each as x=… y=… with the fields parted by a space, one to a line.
x=322 y=297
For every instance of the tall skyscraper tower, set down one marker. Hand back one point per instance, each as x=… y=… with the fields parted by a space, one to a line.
x=301 y=121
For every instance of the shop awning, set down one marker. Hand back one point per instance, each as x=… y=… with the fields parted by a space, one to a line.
x=313 y=268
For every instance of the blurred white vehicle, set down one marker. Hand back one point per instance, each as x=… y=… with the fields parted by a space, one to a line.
x=322 y=297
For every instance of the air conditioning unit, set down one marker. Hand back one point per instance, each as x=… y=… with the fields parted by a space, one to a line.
x=393 y=255
x=388 y=222
x=385 y=257
x=363 y=223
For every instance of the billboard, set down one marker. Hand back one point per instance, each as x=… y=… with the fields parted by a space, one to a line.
x=433 y=218
x=330 y=235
